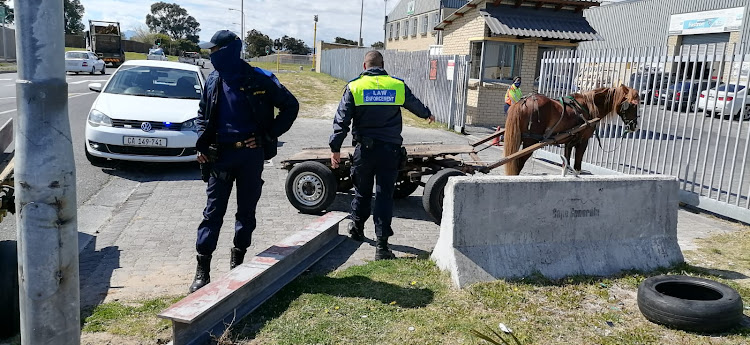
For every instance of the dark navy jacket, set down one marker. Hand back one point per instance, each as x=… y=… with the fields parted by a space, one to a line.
x=379 y=122
x=264 y=94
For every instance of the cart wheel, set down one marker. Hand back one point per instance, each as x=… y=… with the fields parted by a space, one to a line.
x=434 y=191
x=311 y=187
x=404 y=188
x=345 y=183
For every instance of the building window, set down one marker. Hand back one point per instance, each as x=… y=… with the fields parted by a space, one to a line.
x=414 y=26
x=406 y=28
x=435 y=21
x=398 y=29
x=501 y=61
x=496 y=61
x=390 y=31
x=425 y=24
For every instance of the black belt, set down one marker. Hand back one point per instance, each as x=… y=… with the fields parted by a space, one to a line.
x=239 y=144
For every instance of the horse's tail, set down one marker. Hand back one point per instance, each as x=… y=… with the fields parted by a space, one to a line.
x=512 y=140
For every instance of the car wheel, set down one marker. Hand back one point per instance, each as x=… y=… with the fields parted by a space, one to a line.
x=94 y=160
x=93 y=70
x=746 y=117
x=689 y=303
x=104 y=69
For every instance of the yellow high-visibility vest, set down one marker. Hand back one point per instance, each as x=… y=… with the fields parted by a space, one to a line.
x=378 y=90
x=513 y=95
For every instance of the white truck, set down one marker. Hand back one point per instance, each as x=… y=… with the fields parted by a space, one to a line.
x=192 y=58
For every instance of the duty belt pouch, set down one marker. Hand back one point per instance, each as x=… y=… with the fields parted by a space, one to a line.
x=366 y=142
x=402 y=158
x=206 y=168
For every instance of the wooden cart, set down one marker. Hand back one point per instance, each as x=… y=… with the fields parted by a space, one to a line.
x=312 y=184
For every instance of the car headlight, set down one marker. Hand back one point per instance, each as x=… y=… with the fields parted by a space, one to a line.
x=97 y=118
x=190 y=125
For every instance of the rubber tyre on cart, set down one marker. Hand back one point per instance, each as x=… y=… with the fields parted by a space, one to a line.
x=311 y=187
x=689 y=303
x=404 y=187
x=434 y=191
x=9 y=312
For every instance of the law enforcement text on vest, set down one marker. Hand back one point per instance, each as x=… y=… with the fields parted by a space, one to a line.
x=378 y=90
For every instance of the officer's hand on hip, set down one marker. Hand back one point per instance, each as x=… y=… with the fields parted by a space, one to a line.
x=202 y=158
x=431 y=119
x=250 y=143
x=335 y=159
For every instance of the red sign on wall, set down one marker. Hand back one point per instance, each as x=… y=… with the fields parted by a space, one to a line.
x=433 y=69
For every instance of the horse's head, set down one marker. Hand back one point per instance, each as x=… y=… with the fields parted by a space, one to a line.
x=627 y=106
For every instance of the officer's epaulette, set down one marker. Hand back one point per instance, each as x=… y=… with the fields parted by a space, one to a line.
x=397 y=78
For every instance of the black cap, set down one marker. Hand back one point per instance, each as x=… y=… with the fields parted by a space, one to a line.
x=221 y=38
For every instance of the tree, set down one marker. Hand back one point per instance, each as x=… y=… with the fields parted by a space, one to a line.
x=173 y=20
x=378 y=45
x=342 y=40
x=185 y=45
x=295 y=46
x=8 y=12
x=256 y=43
x=73 y=13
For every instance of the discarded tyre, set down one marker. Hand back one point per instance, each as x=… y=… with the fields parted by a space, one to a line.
x=689 y=303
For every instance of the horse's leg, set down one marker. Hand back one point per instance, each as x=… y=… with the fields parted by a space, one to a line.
x=566 y=157
x=580 y=150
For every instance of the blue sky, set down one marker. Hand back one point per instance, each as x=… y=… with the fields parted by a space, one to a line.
x=272 y=17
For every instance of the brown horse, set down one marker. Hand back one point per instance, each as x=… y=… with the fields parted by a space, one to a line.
x=538 y=117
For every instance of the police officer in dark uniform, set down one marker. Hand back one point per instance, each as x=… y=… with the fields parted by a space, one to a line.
x=237 y=131
x=372 y=105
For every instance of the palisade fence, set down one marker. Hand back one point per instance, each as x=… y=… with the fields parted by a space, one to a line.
x=694 y=117
x=439 y=81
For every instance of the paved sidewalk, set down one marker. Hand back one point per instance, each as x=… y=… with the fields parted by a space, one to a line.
x=147 y=248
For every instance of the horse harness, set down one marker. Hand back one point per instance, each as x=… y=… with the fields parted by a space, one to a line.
x=566 y=101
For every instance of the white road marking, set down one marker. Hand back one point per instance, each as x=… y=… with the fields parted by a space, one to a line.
x=87 y=81
x=72 y=95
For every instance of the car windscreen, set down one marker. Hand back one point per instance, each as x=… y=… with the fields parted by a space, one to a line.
x=155 y=52
x=76 y=55
x=731 y=87
x=151 y=81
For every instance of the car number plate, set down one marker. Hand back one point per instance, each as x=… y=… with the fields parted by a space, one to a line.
x=143 y=141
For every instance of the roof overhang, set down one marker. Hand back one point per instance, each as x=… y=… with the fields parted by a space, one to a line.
x=538 y=23
x=557 y=5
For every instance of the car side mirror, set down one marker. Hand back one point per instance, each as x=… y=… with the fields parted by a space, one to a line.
x=96 y=87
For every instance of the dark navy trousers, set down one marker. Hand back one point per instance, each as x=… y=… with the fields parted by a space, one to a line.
x=379 y=163
x=245 y=167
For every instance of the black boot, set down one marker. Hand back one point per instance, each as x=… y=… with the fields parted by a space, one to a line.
x=202 y=276
x=357 y=231
x=381 y=250
x=238 y=256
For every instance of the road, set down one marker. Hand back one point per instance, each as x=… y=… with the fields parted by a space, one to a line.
x=89 y=178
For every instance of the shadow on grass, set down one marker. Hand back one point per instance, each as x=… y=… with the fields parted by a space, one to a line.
x=356 y=286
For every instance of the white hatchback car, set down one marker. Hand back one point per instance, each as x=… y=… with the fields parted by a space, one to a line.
x=156 y=54
x=145 y=112
x=84 y=61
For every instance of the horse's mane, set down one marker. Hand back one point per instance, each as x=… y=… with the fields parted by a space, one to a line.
x=614 y=96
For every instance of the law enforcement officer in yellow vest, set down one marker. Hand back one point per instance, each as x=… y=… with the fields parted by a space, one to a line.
x=513 y=95
x=372 y=106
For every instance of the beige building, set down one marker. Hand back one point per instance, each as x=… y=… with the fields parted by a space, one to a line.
x=411 y=24
x=507 y=38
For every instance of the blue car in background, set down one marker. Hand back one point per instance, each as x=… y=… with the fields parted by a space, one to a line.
x=682 y=96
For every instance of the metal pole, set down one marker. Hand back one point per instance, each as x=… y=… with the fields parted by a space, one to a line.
x=45 y=181
x=361 y=16
x=5 y=54
x=315 y=43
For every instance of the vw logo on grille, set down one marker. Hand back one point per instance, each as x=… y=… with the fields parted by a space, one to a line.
x=146 y=127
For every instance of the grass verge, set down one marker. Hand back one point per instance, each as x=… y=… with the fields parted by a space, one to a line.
x=410 y=301
x=319 y=94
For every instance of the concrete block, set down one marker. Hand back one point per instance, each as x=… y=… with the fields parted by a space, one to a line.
x=496 y=227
